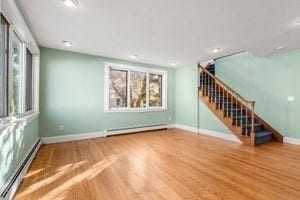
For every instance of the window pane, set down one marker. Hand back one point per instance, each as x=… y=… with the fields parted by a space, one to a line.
x=28 y=81
x=155 y=90
x=3 y=67
x=16 y=102
x=137 y=89
x=117 y=88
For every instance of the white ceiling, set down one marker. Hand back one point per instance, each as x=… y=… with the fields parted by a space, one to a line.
x=165 y=31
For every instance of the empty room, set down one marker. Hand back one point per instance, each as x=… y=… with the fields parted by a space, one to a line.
x=140 y=100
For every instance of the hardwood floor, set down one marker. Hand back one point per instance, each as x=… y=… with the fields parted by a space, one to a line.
x=171 y=164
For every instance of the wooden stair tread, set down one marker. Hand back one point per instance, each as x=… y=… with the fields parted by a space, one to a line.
x=262 y=134
x=231 y=113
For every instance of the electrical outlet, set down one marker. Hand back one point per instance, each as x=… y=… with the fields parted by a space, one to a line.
x=170 y=118
x=164 y=119
x=61 y=127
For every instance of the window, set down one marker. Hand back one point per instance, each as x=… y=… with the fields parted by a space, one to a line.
x=155 y=90
x=19 y=72
x=28 y=86
x=117 y=88
x=129 y=88
x=17 y=75
x=4 y=67
x=138 y=89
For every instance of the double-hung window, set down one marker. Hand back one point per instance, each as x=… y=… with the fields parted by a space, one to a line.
x=28 y=81
x=4 y=52
x=16 y=75
x=129 y=88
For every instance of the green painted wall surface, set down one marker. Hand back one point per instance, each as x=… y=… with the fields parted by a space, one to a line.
x=72 y=95
x=268 y=81
x=14 y=147
x=186 y=83
x=186 y=96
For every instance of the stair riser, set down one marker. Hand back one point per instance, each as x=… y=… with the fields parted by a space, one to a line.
x=221 y=104
x=243 y=121
x=235 y=113
x=256 y=129
x=226 y=106
x=263 y=140
x=207 y=85
x=221 y=100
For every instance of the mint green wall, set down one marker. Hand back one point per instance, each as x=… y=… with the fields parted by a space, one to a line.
x=186 y=83
x=72 y=94
x=14 y=147
x=268 y=81
x=186 y=96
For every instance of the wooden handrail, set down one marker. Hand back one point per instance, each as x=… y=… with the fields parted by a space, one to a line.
x=207 y=79
x=225 y=85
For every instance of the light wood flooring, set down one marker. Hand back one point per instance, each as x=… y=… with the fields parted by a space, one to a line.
x=171 y=164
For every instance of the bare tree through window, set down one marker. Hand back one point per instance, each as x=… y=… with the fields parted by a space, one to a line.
x=138 y=89
x=155 y=90
x=117 y=88
x=134 y=89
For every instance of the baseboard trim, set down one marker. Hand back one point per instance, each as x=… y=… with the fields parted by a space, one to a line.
x=290 y=140
x=216 y=134
x=73 y=137
x=135 y=129
x=287 y=140
x=10 y=187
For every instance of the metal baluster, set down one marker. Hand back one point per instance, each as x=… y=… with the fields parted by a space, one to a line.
x=231 y=110
x=218 y=97
x=209 y=82
x=241 y=114
x=236 y=105
x=223 y=104
x=246 y=129
x=204 y=83
x=252 y=134
x=215 y=98
x=227 y=102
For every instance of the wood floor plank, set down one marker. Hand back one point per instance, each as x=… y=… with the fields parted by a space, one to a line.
x=169 y=165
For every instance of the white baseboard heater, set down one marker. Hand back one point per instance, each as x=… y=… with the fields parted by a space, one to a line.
x=135 y=129
x=9 y=189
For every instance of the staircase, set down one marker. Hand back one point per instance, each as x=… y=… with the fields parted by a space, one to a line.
x=233 y=110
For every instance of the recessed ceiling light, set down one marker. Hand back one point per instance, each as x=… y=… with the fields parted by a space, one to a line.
x=298 y=22
x=134 y=56
x=67 y=43
x=71 y=3
x=279 y=48
x=173 y=64
x=215 y=50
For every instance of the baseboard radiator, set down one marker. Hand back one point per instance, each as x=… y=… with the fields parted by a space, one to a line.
x=10 y=187
x=135 y=129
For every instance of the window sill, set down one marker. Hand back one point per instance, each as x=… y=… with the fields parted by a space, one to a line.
x=132 y=110
x=12 y=123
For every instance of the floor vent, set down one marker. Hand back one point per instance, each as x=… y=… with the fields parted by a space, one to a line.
x=135 y=129
x=12 y=184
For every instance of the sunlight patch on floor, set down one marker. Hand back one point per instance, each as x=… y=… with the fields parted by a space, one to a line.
x=59 y=173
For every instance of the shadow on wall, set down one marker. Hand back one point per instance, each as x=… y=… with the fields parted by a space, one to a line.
x=14 y=145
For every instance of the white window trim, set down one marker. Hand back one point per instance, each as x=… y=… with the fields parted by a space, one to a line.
x=18 y=26
x=164 y=74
